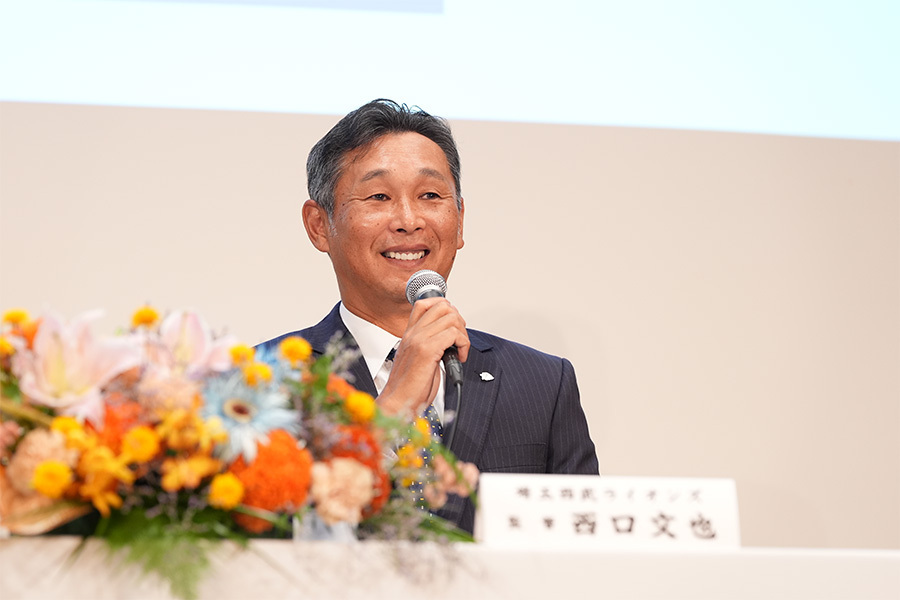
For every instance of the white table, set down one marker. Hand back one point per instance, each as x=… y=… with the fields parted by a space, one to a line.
x=33 y=568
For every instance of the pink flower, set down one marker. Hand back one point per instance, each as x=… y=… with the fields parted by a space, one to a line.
x=68 y=365
x=191 y=347
x=341 y=489
x=446 y=481
x=435 y=495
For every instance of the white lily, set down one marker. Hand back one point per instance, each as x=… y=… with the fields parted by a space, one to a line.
x=69 y=366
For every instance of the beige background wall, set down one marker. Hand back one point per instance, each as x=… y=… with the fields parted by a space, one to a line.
x=731 y=302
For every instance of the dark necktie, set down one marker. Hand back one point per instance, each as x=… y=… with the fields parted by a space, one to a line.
x=431 y=415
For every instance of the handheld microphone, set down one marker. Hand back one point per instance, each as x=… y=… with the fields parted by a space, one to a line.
x=429 y=284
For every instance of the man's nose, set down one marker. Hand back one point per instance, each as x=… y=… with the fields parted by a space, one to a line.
x=406 y=216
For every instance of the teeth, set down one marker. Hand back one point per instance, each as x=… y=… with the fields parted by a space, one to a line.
x=405 y=255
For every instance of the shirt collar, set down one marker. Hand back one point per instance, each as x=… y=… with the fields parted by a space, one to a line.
x=374 y=342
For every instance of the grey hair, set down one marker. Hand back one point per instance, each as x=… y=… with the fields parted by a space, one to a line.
x=362 y=127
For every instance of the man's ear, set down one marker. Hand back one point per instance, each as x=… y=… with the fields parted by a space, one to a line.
x=315 y=219
x=460 y=242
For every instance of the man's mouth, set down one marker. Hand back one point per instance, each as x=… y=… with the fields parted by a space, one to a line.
x=405 y=255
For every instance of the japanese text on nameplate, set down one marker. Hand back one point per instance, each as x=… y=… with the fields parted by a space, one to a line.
x=643 y=512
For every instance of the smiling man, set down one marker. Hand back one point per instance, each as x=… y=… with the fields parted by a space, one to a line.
x=385 y=202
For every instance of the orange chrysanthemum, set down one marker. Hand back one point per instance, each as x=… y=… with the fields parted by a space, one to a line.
x=278 y=480
x=356 y=441
x=382 y=493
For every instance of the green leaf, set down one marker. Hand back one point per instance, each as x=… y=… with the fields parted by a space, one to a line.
x=176 y=552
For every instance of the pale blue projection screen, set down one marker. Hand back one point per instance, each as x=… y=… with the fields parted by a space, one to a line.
x=812 y=68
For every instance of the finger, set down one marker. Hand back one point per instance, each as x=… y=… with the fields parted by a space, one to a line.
x=462 y=346
x=448 y=330
x=434 y=310
x=421 y=307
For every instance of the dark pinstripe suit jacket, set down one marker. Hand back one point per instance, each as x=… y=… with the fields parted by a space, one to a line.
x=527 y=418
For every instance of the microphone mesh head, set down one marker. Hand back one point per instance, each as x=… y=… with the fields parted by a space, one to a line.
x=425 y=278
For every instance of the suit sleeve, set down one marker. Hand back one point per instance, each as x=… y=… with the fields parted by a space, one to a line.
x=571 y=450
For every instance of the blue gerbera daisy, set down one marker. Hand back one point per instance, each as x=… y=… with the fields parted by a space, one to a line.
x=248 y=413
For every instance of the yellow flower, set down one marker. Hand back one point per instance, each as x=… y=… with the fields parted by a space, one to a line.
x=76 y=436
x=226 y=491
x=6 y=348
x=145 y=316
x=140 y=444
x=295 y=349
x=184 y=430
x=408 y=456
x=16 y=317
x=51 y=478
x=257 y=372
x=242 y=354
x=65 y=424
x=81 y=440
x=99 y=490
x=423 y=427
x=103 y=463
x=212 y=432
x=188 y=472
x=360 y=406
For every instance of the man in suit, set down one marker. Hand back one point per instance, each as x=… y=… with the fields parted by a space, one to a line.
x=385 y=202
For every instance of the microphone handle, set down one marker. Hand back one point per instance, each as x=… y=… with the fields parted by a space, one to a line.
x=452 y=366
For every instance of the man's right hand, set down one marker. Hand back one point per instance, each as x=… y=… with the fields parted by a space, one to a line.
x=434 y=325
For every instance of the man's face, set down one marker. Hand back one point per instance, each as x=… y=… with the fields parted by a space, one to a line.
x=395 y=213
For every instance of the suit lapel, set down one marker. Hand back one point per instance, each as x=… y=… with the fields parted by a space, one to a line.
x=479 y=394
x=362 y=379
x=323 y=332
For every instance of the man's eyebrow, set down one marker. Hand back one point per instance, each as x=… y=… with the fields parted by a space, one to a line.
x=432 y=173
x=374 y=174
x=426 y=171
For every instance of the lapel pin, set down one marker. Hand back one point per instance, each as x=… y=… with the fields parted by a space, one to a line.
x=485 y=376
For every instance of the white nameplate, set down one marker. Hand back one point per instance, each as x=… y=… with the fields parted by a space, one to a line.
x=663 y=513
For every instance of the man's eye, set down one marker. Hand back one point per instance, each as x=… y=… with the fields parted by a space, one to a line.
x=431 y=195
x=379 y=196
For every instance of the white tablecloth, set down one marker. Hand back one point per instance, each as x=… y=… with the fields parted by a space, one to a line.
x=37 y=568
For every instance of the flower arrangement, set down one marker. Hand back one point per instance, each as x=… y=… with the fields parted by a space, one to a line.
x=165 y=439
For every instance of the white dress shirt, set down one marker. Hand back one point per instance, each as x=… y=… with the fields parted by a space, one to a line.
x=375 y=344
